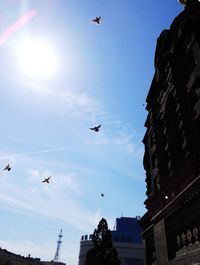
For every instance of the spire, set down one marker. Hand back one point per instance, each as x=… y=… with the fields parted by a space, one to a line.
x=57 y=254
x=189 y=2
x=182 y=2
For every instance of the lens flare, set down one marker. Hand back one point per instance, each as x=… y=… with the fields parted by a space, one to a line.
x=17 y=25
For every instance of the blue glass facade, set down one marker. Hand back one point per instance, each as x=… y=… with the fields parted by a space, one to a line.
x=127 y=230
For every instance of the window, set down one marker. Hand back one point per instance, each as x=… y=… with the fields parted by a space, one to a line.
x=116 y=239
x=129 y=239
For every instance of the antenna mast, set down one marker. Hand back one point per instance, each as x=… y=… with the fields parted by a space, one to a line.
x=57 y=255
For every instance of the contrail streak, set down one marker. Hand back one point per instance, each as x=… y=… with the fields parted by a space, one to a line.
x=36 y=152
x=17 y=25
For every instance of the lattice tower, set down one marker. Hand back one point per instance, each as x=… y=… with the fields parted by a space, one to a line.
x=59 y=242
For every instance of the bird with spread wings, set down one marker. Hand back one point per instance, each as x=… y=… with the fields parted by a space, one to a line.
x=7 y=167
x=46 y=180
x=96 y=128
x=96 y=20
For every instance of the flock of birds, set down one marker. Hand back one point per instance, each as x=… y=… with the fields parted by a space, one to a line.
x=97 y=21
x=47 y=180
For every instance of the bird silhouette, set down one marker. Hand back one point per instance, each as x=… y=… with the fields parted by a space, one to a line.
x=7 y=167
x=46 y=180
x=102 y=195
x=96 y=20
x=96 y=128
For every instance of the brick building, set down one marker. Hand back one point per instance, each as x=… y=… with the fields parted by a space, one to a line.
x=172 y=145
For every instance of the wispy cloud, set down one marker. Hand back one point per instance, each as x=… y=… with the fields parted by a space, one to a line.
x=70 y=102
x=81 y=105
x=50 y=150
x=16 y=234
x=59 y=182
x=48 y=201
x=128 y=143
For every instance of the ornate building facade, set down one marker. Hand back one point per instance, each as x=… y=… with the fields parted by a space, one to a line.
x=172 y=145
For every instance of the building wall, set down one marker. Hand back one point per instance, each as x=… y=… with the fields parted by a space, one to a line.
x=160 y=243
x=172 y=145
x=126 y=240
x=9 y=258
x=52 y=263
x=85 y=245
x=128 y=253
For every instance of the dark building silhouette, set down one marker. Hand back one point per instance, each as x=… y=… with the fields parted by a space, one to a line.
x=126 y=240
x=171 y=226
x=9 y=258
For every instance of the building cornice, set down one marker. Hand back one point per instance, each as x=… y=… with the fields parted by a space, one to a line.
x=174 y=199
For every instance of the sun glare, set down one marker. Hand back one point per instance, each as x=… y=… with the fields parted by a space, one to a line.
x=36 y=58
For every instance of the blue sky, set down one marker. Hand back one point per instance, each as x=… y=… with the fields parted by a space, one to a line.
x=102 y=75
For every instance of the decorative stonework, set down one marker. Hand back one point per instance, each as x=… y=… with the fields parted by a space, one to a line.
x=183 y=238
x=189 y=236
x=178 y=240
x=172 y=144
x=188 y=255
x=193 y=245
x=195 y=233
x=182 y=2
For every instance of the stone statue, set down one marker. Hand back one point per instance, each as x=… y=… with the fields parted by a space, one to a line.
x=195 y=233
x=182 y=2
x=183 y=238
x=189 y=236
x=178 y=240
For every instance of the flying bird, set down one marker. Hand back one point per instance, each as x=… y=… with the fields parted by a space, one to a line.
x=96 y=20
x=7 y=167
x=96 y=128
x=102 y=195
x=46 y=180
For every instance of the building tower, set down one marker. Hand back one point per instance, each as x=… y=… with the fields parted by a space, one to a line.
x=172 y=145
x=57 y=254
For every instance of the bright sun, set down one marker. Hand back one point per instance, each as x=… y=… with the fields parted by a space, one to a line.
x=36 y=58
